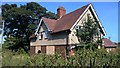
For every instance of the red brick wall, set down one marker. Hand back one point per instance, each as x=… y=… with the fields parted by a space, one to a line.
x=43 y=49
x=60 y=49
x=32 y=49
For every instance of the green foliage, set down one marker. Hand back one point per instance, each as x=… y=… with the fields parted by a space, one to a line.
x=99 y=57
x=14 y=59
x=48 y=60
x=88 y=31
x=21 y=51
x=23 y=59
x=19 y=26
x=20 y=23
x=82 y=58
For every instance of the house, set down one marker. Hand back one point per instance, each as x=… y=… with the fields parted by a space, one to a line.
x=59 y=36
x=109 y=45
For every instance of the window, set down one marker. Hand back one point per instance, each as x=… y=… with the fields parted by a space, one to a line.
x=40 y=36
x=45 y=34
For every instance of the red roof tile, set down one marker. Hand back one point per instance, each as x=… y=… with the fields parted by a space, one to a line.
x=68 y=20
x=50 y=23
x=108 y=43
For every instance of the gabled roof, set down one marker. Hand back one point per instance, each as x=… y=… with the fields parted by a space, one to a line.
x=50 y=23
x=108 y=43
x=68 y=21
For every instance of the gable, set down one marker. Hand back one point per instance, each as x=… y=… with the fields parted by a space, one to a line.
x=49 y=24
x=91 y=11
x=70 y=20
x=42 y=27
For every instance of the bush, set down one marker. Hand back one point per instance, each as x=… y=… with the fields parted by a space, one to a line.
x=98 y=57
x=83 y=57
x=10 y=58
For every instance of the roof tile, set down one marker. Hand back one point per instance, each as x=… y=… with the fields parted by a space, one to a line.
x=65 y=22
x=108 y=43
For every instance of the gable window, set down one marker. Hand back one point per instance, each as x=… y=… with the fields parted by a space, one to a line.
x=45 y=34
x=40 y=36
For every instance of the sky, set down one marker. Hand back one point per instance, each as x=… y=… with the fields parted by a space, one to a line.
x=106 y=11
x=60 y=0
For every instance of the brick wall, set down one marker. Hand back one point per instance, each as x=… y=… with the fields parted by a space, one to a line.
x=43 y=49
x=32 y=49
x=61 y=49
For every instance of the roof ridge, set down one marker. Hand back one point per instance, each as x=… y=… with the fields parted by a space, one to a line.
x=48 y=18
x=76 y=10
x=65 y=17
x=79 y=8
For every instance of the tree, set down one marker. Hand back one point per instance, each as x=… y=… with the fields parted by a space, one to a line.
x=88 y=32
x=20 y=23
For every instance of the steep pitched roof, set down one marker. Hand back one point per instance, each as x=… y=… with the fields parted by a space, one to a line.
x=108 y=43
x=68 y=20
x=50 y=22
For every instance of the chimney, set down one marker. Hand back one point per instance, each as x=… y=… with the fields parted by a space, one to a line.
x=60 y=12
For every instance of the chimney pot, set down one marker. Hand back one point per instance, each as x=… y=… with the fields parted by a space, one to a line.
x=60 y=12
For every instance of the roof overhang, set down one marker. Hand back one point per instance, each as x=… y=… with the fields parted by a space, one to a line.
x=90 y=5
x=41 y=20
x=111 y=46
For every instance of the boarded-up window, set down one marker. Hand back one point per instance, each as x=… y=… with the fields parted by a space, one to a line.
x=37 y=49
x=50 y=50
x=60 y=50
x=32 y=49
x=43 y=49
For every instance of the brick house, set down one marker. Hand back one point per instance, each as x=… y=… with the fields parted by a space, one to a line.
x=109 y=45
x=59 y=36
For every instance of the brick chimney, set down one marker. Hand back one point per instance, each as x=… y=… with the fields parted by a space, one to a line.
x=60 y=12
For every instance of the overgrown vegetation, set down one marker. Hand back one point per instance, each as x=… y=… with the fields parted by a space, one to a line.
x=18 y=37
x=84 y=57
